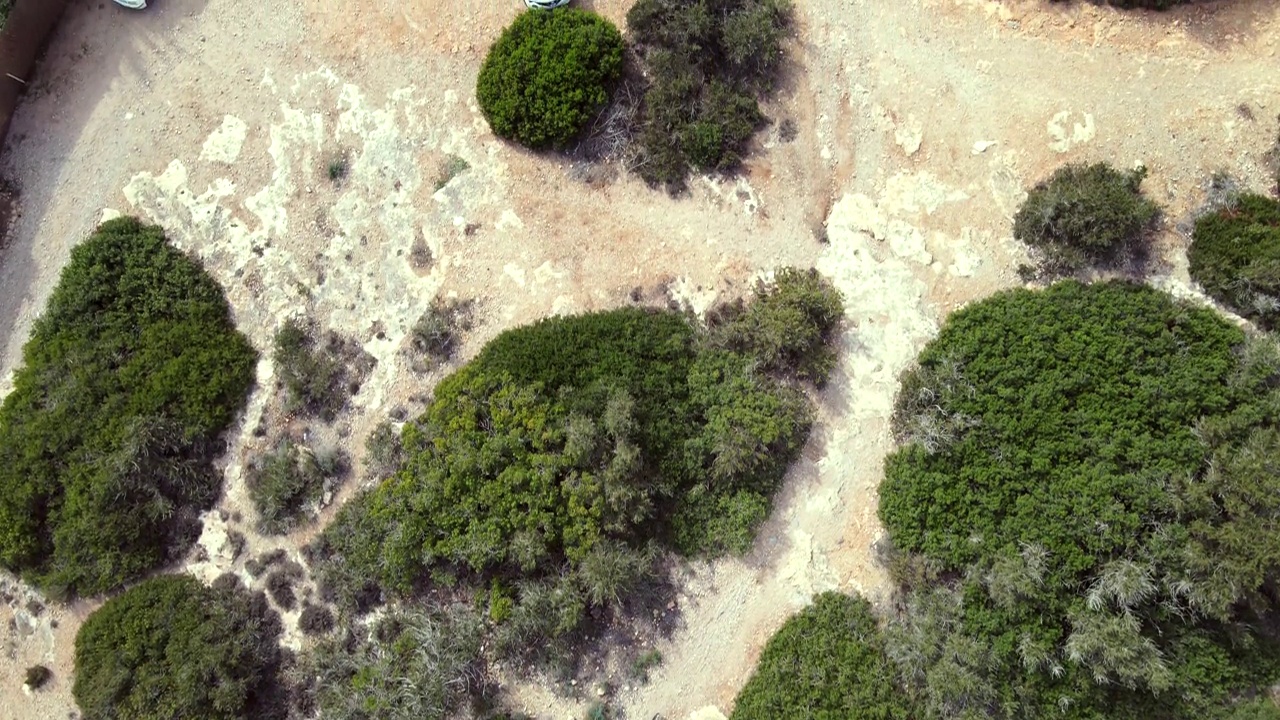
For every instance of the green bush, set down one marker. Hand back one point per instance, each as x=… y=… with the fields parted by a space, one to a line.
x=170 y=647
x=412 y=666
x=826 y=662
x=313 y=370
x=1085 y=214
x=706 y=61
x=1090 y=469
x=1235 y=256
x=37 y=676
x=547 y=75
x=790 y=327
x=288 y=483
x=568 y=452
x=107 y=440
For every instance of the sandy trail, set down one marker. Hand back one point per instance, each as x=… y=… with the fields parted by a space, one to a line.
x=920 y=123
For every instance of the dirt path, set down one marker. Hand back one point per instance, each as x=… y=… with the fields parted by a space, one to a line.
x=920 y=122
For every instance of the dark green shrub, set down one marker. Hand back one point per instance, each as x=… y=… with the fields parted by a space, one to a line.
x=287 y=484
x=1235 y=256
x=280 y=583
x=790 y=327
x=412 y=666
x=706 y=61
x=826 y=662
x=547 y=75
x=37 y=676
x=313 y=370
x=1088 y=469
x=567 y=453
x=315 y=619
x=1085 y=214
x=171 y=648
x=107 y=440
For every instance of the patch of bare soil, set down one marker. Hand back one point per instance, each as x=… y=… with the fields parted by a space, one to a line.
x=912 y=129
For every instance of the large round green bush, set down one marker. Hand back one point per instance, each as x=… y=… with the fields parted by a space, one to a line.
x=173 y=648
x=107 y=440
x=549 y=72
x=1085 y=214
x=549 y=471
x=1235 y=256
x=1084 y=483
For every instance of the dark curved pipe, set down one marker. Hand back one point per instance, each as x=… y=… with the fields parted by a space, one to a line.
x=29 y=26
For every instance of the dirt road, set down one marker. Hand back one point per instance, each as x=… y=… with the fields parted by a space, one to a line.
x=920 y=123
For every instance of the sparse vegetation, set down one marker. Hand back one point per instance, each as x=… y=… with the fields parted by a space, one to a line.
x=37 y=676
x=1085 y=215
x=547 y=75
x=170 y=647
x=548 y=472
x=286 y=484
x=706 y=61
x=437 y=333
x=453 y=166
x=645 y=663
x=107 y=440
x=318 y=373
x=1235 y=256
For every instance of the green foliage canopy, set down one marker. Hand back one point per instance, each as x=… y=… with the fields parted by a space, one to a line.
x=1085 y=214
x=1235 y=256
x=170 y=647
x=553 y=461
x=1087 y=470
x=706 y=61
x=547 y=74
x=106 y=441
x=825 y=663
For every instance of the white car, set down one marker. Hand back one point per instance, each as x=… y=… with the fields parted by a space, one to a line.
x=133 y=4
x=535 y=4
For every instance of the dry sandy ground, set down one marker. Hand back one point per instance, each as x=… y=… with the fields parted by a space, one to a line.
x=920 y=123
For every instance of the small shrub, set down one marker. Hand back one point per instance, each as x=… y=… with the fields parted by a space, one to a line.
x=547 y=75
x=256 y=566
x=138 y=655
x=643 y=665
x=287 y=483
x=37 y=676
x=337 y=168
x=315 y=620
x=412 y=666
x=436 y=335
x=453 y=166
x=790 y=327
x=280 y=584
x=1085 y=214
x=108 y=438
x=706 y=60
x=1235 y=256
x=383 y=451
x=318 y=374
